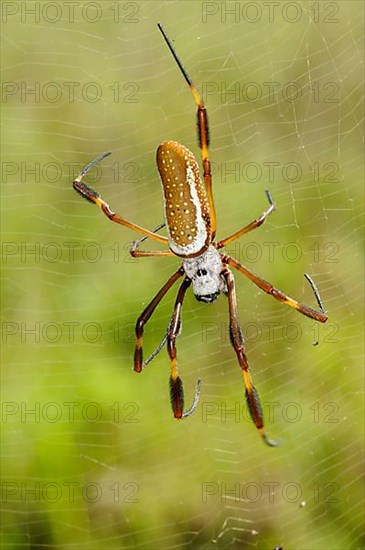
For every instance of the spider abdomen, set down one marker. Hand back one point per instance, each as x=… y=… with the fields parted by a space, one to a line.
x=187 y=213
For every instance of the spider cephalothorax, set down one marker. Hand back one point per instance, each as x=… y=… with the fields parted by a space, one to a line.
x=205 y=273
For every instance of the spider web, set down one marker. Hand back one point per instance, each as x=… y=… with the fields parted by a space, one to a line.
x=92 y=457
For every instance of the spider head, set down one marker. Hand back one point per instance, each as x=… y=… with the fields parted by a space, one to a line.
x=204 y=271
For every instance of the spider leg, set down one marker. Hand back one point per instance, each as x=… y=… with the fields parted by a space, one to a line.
x=320 y=316
x=156 y=351
x=256 y=223
x=238 y=344
x=203 y=133
x=136 y=253
x=89 y=194
x=145 y=316
x=176 y=385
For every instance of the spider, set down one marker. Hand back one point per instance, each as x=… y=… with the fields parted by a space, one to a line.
x=190 y=220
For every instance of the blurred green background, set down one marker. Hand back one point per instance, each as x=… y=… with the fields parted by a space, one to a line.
x=100 y=462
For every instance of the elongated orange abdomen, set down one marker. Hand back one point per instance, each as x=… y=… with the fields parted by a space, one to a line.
x=187 y=215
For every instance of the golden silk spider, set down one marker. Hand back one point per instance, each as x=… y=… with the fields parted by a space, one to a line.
x=190 y=220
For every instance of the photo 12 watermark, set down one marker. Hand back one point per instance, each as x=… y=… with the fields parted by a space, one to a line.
x=270 y=12
x=68 y=412
x=53 y=92
x=13 y=172
x=28 y=12
x=289 y=412
x=272 y=331
x=89 y=492
x=270 y=492
x=271 y=92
